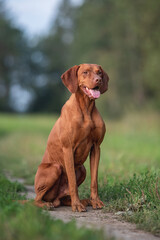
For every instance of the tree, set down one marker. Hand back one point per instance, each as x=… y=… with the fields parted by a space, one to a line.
x=54 y=50
x=14 y=58
x=123 y=37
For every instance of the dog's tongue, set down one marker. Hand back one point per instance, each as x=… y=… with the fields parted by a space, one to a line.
x=94 y=93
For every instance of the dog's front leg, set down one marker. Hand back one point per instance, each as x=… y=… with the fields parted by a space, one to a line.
x=73 y=189
x=94 y=162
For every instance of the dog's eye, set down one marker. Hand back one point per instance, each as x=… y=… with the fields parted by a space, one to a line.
x=99 y=72
x=85 y=72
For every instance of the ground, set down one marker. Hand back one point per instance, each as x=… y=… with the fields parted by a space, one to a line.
x=129 y=172
x=95 y=219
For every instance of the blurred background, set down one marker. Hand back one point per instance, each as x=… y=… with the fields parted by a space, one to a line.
x=39 y=40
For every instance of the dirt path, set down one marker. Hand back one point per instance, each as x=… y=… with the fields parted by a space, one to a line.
x=96 y=219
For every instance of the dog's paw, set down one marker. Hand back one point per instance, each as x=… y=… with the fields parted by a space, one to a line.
x=45 y=205
x=78 y=207
x=97 y=203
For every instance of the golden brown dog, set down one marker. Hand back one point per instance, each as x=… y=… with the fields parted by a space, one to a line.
x=78 y=132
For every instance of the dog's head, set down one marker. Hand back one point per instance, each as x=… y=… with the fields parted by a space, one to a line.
x=89 y=78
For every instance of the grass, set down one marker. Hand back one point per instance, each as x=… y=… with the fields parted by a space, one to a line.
x=29 y=222
x=138 y=199
x=129 y=171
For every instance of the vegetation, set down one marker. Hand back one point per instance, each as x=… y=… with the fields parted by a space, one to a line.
x=138 y=198
x=128 y=172
x=122 y=36
x=26 y=221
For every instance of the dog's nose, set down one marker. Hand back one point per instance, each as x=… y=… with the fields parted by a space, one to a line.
x=98 y=80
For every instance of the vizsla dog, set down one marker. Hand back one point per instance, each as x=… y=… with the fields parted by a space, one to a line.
x=77 y=133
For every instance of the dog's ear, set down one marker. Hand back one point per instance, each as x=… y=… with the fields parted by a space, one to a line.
x=70 y=79
x=105 y=80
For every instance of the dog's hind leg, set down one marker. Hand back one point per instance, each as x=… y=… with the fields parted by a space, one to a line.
x=47 y=178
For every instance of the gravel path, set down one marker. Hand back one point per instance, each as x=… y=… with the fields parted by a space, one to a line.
x=98 y=219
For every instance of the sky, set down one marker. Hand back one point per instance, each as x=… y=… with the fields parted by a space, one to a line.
x=35 y=16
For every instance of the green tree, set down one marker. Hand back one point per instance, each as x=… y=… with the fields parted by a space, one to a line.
x=123 y=37
x=54 y=51
x=14 y=58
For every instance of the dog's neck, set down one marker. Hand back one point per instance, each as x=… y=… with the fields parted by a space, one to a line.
x=85 y=103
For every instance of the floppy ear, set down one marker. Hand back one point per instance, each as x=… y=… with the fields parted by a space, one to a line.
x=105 y=80
x=70 y=79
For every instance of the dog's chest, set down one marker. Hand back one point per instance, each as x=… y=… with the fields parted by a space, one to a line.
x=87 y=130
x=90 y=131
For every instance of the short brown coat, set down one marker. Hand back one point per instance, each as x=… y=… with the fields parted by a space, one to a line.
x=77 y=133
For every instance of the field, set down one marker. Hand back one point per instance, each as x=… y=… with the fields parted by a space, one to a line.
x=129 y=172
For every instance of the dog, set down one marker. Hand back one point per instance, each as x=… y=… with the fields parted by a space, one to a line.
x=78 y=132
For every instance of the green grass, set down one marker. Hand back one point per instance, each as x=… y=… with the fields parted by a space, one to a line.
x=28 y=222
x=22 y=143
x=138 y=198
x=129 y=171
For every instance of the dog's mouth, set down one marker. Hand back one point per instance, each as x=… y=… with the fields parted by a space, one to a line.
x=92 y=92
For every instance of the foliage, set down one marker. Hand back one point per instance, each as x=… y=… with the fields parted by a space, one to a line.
x=138 y=198
x=14 y=60
x=26 y=221
x=24 y=70
x=120 y=42
x=121 y=36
